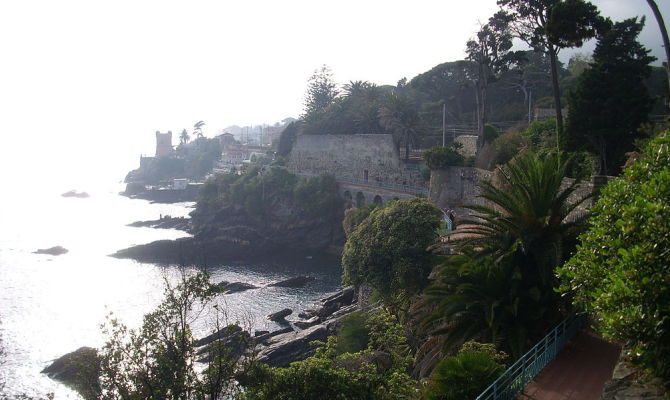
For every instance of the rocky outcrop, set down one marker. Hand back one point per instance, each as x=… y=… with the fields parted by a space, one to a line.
x=230 y=234
x=166 y=222
x=229 y=343
x=630 y=382
x=321 y=322
x=282 y=350
x=79 y=370
x=298 y=281
x=54 y=251
x=232 y=287
x=74 y=193
x=280 y=316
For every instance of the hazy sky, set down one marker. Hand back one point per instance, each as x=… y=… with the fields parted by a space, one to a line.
x=84 y=84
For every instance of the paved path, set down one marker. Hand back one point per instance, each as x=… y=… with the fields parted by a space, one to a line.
x=579 y=372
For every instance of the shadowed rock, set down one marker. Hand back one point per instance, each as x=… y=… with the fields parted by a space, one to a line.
x=232 y=287
x=280 y=316
x=54 y=251
x=298 y=281
x=74 y=193
x=79 y=370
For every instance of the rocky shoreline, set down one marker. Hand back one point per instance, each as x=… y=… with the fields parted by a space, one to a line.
x=279 y=348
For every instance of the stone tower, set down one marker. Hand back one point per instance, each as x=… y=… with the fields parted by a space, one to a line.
x=163 y=143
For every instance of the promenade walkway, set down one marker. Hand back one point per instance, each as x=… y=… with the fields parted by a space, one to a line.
x=579 y=372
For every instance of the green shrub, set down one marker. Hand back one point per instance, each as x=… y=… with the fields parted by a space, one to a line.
x=388 y=249
x=466 y=375
x=507 y=146
x=490 y=133
x=378 y=372
x=353 y=217
x=440 y=157
x=353 y=334
x=621 y=271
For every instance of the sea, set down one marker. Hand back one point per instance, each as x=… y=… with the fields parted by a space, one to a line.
x=52 y=305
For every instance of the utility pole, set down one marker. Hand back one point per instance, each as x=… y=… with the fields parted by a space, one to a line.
x=530 y=101
x=444 y=124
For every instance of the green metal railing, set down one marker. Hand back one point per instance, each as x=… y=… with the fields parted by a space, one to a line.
x=525 y=369
x=415 y=190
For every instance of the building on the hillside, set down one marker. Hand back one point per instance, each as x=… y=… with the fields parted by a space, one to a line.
x=163 y=144
x=541 y=114
x=357 y=158
x=227 y=140
x=233 y=156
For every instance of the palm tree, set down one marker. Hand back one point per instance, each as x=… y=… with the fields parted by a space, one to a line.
x=399 y=116
x=197 y=128
x=500 y=288
x=184 y=137
x=530 y=214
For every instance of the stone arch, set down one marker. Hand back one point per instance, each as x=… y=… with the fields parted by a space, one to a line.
x=348 y=200
x=378 y=200
x=360 y=199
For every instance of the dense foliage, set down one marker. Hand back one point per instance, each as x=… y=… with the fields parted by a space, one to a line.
x=378 y=372
x=263 y=191
x=501 y=289
x=158 y=360
x=611 y=100
x=388 y=249
x=444 y=156
x=467 y=374
x=355 y=216
x=621 y=272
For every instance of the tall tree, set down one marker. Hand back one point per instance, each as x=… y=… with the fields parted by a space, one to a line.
x=548 y=26
x=321 y=91
x=611 y=100
x=399 y=116
x=490 y=50
x=184 y=137
x=197 y=128
x=664 y=35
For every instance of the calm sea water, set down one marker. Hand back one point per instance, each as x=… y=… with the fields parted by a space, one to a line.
x=51 y=305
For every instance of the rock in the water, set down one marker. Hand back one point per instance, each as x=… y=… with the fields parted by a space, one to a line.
x=307 y=323
x=165 y=222
x=230 y=347
x=74 y=193
x=236 y=287
x=295 y=346
x=307 y=313
x=343 y=297
x=54 y=251
x=298 y=281
x=231 y=287
x=264 y=337
x=221 y=334
x=79 y=370
x=280 y=315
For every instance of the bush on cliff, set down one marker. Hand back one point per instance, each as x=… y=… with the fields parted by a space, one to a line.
x=440 y=157
x=378 y=372
x=621 y=271
x=388 y=249
x=263 y=192
x=467 y=374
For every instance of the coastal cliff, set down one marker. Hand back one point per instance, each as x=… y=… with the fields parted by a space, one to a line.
x=252 y=217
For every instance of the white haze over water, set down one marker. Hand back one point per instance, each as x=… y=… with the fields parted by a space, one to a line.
x=85 y=84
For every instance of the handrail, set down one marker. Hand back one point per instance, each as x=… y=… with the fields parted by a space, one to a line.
x=387 y=185
x=525 y=369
